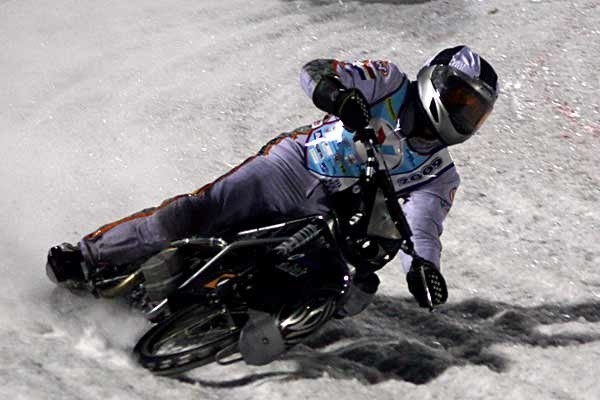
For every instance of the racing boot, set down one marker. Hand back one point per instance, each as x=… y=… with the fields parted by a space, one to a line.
x=360 y=295
x=66 y=266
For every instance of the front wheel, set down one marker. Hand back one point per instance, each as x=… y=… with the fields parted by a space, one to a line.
x=188 y=339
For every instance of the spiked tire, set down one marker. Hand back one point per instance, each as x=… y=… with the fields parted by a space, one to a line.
x=188 y=339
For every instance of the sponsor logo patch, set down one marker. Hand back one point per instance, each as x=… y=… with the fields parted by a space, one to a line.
x=425 y=172
x=383 y=67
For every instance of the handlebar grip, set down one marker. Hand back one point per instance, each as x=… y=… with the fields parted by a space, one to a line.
x=363 y=135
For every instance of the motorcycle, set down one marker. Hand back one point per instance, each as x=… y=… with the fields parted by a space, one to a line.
x=252 y=295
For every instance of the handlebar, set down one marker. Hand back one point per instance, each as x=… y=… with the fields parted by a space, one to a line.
x=377 y=175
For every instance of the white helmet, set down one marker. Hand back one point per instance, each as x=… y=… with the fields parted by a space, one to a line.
x=457 y=91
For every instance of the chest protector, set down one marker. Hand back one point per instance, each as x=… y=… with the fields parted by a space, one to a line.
x=337 y=160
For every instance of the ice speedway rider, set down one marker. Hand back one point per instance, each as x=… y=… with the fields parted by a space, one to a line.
x=305 y=171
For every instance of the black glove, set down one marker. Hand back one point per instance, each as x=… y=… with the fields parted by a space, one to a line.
x=348 y=104
x=424 y=277
x=353 y=109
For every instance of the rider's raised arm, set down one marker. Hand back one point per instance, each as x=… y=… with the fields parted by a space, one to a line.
x=375 y=79
x=425 y=209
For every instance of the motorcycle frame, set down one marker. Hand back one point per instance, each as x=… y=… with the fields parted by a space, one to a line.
x=224 y=248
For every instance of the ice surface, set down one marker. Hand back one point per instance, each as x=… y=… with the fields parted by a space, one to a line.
x=109 y=107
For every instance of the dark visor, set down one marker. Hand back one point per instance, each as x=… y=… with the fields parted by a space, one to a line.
x=467 y=101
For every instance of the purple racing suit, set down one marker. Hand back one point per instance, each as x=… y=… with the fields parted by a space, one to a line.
x=296 y=174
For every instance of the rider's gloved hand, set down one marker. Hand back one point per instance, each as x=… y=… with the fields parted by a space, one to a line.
x=423 y=278
x=348 y=104
x=353 y=109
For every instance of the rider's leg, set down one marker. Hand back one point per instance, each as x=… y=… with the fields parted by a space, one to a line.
x=267 y=187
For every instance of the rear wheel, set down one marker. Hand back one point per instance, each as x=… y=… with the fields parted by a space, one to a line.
x=188 y=339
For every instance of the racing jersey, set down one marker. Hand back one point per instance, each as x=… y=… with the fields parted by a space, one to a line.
x=426 y=181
